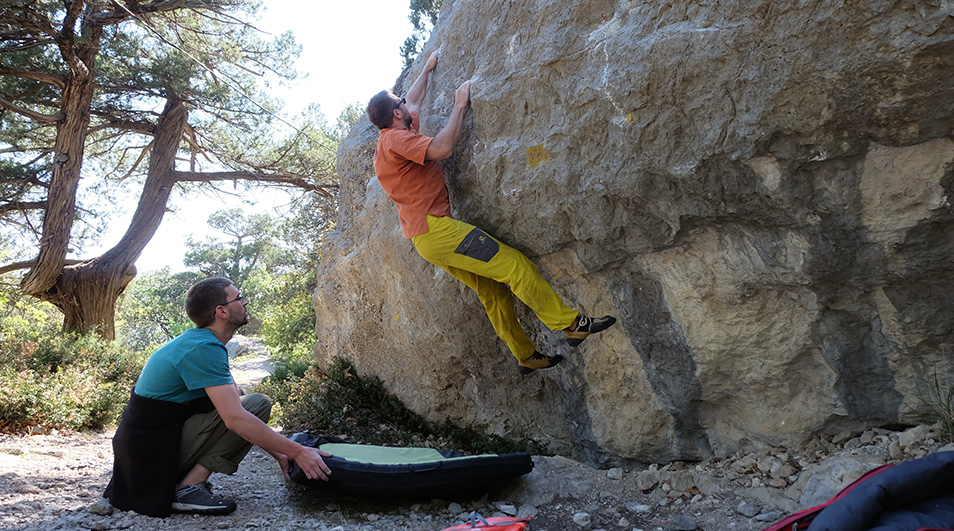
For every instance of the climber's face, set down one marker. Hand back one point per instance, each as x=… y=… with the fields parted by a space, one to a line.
x=401 y=105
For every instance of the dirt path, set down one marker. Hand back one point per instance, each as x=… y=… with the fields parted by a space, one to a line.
x=249 y=361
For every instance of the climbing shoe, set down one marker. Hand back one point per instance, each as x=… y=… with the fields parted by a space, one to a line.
x=198 y=499
x=584 y=326
x=538 y=361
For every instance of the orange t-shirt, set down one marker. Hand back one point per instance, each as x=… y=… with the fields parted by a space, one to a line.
x=416 y=186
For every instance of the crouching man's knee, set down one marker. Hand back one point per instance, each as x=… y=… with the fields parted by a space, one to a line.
x=258 y=405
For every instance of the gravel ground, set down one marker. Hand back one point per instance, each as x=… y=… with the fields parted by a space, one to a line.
x=54 y=481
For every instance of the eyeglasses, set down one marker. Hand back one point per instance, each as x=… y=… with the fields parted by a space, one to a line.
x=239 y=298
x=403 y=101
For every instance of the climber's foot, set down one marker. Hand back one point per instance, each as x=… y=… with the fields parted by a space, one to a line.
x=584 y=326
x=538 y=361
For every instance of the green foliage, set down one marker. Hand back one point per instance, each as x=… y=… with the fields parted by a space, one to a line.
x=22 y=316
x=311 y=150
x=423 y=17
x=73 y=398
x=411 y=49
x=250 y=242
x=339 y=402
x=424 y=12
x=348 y=117
x=152 y=309
x=58 y=380
x=938 y=403
x=475 y=440
x=288 y=318
x=292 y=365
x=273 y=262
x=205 y=53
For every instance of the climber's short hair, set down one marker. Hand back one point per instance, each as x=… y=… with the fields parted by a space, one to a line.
x=203 y=298
x=381 y=109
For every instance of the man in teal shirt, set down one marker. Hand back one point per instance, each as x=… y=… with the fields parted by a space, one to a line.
x=182 y=369
x=187 y=419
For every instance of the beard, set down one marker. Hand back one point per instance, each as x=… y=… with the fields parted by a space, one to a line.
x=407 y=121
x=237 y=319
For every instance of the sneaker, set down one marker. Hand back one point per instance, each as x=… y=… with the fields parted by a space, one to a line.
x=584 y=326
x=199 y=499
x=538 y=361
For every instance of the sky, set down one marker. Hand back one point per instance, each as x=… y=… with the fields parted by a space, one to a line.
x=350 y=51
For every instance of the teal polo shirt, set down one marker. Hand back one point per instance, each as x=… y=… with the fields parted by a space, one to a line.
x=182 y=368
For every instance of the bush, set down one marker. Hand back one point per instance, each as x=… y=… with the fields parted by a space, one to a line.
x=938 y=402
x=25 y=316
x=151 y=310
x=292 y=365
x=64 y=381
x=338 y=402
x=288 y=318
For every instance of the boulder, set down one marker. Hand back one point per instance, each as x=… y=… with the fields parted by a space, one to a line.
x=759 y=191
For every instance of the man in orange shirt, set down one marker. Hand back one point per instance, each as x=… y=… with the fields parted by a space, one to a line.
x=408 y=166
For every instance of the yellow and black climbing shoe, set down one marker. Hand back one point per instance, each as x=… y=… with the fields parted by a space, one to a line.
x=538 y=361
x=584 y=326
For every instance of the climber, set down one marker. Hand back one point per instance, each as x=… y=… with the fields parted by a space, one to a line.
x=409 y=169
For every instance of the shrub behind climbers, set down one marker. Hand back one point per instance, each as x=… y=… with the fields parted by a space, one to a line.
x=337 y=401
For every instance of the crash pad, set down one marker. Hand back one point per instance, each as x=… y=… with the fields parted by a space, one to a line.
x=407 y=473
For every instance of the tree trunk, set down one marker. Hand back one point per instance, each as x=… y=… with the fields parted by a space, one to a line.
x=68 y=154
x=88 y=296
x=86 y=293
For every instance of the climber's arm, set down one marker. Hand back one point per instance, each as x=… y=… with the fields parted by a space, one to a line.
x=415 y=96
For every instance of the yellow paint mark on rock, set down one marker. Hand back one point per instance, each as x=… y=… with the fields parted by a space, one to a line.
x=537 y=155
x=631 y=118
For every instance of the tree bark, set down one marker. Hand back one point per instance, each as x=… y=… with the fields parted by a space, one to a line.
x=88 y=296
x=88 y=291
x=68 y=153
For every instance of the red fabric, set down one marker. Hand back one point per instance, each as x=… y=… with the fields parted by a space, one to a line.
x=416 y=186
x=495 y=523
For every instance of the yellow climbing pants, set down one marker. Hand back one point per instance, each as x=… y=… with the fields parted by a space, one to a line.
x=488 y=267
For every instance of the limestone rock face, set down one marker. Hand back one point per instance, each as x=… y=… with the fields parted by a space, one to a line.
x=759 y=191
